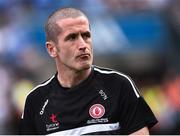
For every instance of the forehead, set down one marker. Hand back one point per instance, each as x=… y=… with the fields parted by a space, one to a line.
x=79 y=23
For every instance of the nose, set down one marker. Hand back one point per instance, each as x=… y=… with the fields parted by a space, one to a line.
x=82 y=44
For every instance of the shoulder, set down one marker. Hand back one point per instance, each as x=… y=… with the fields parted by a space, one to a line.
x=36 y=96
x=41 y=89
x=107 y=72
x=116 y=79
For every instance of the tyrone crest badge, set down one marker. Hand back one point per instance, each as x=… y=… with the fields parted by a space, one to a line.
x=97 y=111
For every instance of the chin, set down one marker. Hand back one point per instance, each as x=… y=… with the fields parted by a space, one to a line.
x=85 y=66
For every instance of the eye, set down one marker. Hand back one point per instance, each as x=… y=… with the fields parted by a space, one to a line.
x=86 y=35
x=71 y=37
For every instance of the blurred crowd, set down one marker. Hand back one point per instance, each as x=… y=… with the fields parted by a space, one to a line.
x=138 y=37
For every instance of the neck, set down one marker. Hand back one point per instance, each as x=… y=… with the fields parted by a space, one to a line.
x=70 y=78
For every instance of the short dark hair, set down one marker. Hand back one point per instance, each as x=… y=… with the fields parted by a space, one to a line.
x=52 y=30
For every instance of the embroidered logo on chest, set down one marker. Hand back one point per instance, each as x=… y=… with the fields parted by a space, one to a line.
x=54 y=123
x=43 y=108
x=103 y=94
x=96 y=111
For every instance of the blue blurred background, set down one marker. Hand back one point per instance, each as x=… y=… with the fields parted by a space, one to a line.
x=138 y=37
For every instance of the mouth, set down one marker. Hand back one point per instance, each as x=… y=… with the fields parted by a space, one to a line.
x=84 y=56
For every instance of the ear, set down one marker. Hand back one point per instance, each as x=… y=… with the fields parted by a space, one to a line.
x=51 y=48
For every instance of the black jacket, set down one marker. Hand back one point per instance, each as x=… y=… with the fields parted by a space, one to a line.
x=107 y=102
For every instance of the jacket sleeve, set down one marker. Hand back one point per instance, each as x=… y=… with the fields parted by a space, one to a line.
x=136 y=113
x=27 y=122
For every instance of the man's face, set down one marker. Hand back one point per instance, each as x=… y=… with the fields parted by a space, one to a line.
x=75 y=44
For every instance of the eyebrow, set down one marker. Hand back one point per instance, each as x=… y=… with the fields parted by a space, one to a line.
x=70 y=35
x=86 y=33
x=76 y=34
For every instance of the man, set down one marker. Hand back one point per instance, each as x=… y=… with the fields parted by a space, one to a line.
x=82 y=98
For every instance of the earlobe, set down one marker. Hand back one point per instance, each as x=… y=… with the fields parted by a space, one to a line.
x=51 y=48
